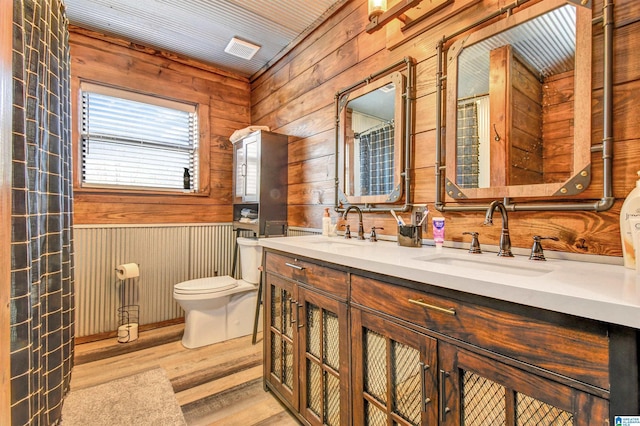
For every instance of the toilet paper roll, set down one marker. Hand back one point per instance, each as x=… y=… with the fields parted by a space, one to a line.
x=127 y=270
x=128 y=333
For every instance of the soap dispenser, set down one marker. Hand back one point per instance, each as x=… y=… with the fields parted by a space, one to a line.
x=326 y=223
x=629 y=216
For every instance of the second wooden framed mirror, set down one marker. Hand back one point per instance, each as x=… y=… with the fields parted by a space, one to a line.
x=518 y=109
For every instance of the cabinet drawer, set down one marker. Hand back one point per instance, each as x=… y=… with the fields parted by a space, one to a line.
x=321 y=277
x=569 y=346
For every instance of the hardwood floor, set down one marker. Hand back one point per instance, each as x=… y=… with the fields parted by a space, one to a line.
x=219 y=384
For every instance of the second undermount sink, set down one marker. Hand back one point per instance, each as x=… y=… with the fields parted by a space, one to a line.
x=498 y=264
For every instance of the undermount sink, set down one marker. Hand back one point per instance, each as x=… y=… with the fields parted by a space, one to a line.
x=499 y=264
x=335 y=245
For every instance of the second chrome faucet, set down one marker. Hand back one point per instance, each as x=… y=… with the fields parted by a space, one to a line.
x=505 y=240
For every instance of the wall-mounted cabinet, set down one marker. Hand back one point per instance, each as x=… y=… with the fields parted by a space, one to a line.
x=260 y=183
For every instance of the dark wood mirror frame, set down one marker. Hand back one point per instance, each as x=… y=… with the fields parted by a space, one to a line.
x=580 y=169
x=401 y=74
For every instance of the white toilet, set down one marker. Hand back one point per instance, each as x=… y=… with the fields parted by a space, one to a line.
x=221 y=308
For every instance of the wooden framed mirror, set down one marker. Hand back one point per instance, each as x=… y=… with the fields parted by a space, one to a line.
x=518 y=108
x=372 y=133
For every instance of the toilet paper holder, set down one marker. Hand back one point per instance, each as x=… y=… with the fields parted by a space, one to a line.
x=128 y=323
x=127 y=271
x=129 y=310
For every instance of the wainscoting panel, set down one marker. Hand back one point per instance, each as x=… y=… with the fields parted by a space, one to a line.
x=211 y=250
x=166 y=255
x=299 y=232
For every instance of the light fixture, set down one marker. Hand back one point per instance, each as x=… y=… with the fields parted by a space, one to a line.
x=376 y=8
x=379 y=16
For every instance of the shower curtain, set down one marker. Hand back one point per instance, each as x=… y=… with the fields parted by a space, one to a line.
x=42 y=305
x=377 y=160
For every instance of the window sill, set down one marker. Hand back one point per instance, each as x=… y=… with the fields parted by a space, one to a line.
x=137 y=192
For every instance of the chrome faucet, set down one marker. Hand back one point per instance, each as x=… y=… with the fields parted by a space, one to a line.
x=505 y=241
x=360 y=224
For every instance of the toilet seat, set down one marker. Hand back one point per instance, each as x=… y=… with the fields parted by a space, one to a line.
x=205 y=285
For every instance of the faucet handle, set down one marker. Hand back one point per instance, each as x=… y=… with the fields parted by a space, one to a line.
x=474 y=248
x=373 y=237
x=536 y=250
x=347 y=231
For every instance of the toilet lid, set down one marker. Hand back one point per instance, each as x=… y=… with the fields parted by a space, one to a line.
x=205 y=285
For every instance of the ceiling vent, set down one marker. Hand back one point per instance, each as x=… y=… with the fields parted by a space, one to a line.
x=388 y=88
x=242 y=49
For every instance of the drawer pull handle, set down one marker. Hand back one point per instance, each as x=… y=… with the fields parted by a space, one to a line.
x=419 y=302
x=291 y=265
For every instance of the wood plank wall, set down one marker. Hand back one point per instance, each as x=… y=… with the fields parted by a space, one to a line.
x=526 y=125
x=296 y=97
x=100 y=59
x=557 y=126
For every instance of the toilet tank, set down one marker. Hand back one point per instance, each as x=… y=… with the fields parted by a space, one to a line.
x=250 y=259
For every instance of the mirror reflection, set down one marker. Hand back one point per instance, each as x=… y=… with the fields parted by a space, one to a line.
x=520 y=105
x=370 y=141
x=504 y=82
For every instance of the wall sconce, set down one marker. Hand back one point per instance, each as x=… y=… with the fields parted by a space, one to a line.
x=379 y=16
x=376 y=8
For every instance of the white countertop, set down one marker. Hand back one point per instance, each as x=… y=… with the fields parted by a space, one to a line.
x=609 y=293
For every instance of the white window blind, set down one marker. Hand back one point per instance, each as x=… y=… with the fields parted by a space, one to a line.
x=137 y=141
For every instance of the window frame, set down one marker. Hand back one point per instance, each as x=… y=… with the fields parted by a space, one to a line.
x=201 y=111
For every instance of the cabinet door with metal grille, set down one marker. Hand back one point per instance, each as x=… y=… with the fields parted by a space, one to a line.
x=324 y=361
x=479 y=390
x=394 y=373
x=280 y=360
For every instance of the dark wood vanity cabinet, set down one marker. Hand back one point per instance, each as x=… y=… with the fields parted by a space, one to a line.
x=404 y=377
x=306 y=358
x=415 y=354
x=472 y=364
x=481 y=390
